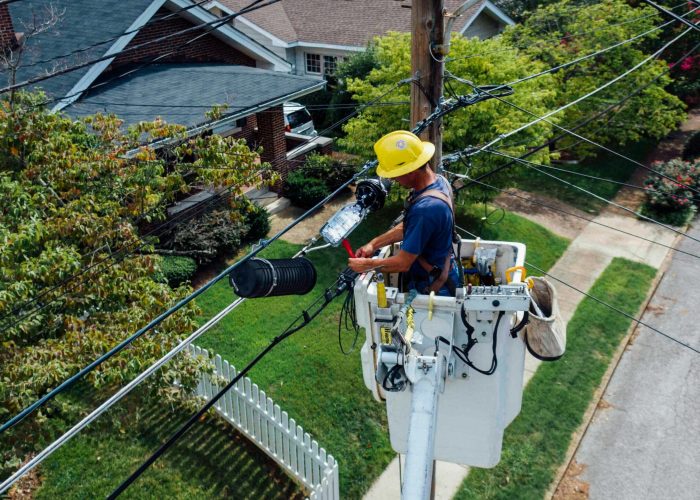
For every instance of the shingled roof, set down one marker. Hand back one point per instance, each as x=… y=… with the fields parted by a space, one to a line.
x=183 y=93
x=81 y=24
x=334 y=22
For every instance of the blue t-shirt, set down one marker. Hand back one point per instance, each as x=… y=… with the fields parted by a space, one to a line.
x=427 y=231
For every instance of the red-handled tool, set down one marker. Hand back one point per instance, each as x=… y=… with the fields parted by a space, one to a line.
x=348 y=248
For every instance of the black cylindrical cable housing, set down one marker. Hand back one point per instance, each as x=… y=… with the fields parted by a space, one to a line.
x=260 y=277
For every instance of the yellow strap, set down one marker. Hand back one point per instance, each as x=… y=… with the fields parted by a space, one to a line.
x=511 y=270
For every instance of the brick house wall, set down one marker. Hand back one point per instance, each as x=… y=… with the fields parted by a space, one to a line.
x=271 y=139
x=7 y=30
x=248 y=131
x=206 y=49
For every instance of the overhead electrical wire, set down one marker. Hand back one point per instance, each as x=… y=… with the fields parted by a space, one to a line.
x=274 y=160
x=566 y=212
x=576 y=101
x=585 y=121
x=673 y=15
x=557 y=39
x=116 y=397
x=536 y=166
x=584 y=97
x=255 y=5
x=114 y=38
x=160 y=318
x=600 y=301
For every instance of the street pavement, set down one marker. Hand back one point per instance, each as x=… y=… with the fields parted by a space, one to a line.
x=644 y=442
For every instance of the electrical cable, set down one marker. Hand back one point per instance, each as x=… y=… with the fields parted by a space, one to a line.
x=127 y=50
x=116 y=397
x=583 y=122
x=601 y=302
x=584 y=97
x=160 y=318
x=274 y=160
x=673 y=15
x=348 y=318
x=557 y=39
x=343 y=284
x=534 y=166
x=151 y=21
x=571 y=214
x=620 y=183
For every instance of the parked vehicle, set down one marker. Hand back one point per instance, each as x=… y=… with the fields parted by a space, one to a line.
x=298 y=120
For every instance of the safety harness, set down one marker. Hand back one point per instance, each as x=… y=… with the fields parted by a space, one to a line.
x=439 y=275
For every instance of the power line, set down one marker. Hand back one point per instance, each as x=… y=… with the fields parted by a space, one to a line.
x=534 y=166
x=584 y=97
x=216 y=24
x=116 y=397
x=673 y=15
x=183 y=302
x=557 y=39
x=602 y=302
x=580 y=124
x=190 y=214
x=576 y=101
x=340 y=286
x=151 y=21
x=571 y=214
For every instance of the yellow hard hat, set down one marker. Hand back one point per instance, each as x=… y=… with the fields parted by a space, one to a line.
x=401 y=152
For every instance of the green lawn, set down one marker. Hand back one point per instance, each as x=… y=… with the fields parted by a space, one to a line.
x=606 y=165
x=307 y=375
x=210 y=461
x=558 y=395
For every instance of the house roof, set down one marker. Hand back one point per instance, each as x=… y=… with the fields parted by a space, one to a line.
x=81 y=24
x=183 y=93
x=344 y=23
x=99 y=29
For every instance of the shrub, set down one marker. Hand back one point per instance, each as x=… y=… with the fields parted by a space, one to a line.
x=176 y=269
x=210 y=235
x=257 y=219
x=691 y=150
x=316 y=179
x=305 y=191
x=673 y=202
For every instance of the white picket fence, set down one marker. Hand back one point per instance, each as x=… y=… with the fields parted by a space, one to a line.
x=264 y=423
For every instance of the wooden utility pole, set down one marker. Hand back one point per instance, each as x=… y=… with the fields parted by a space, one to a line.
x=428 y=31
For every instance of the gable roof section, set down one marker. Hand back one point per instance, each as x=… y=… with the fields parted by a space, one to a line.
x=81 y=24
x=183 y=93
x=86 y=24
x=346 y=23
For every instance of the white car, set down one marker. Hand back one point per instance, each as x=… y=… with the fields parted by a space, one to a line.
x=297 y=119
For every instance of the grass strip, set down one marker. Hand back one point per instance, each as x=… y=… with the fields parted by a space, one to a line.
x=558 y=395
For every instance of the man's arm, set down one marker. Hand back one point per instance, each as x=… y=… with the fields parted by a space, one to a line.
x=393 y=235
x=399 y=263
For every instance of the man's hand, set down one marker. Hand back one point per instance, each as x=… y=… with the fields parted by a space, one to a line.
x=365 y=251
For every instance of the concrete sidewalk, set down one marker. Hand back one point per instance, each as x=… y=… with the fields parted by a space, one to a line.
x=586 y=258
x=644 y=440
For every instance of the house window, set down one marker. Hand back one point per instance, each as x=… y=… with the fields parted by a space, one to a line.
x=330 y=64
x=313 y=63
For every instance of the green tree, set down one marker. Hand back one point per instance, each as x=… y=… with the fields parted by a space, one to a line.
x=72 y=201
x=558 y=33
x=481 y=62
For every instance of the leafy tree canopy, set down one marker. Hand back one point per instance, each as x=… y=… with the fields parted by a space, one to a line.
x=561 y=32
x=72 y=201
x=481 y=62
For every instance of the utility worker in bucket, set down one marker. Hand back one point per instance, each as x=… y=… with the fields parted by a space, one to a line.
x=428 y=226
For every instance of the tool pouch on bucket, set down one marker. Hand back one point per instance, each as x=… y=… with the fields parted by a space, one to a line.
x=545 y=334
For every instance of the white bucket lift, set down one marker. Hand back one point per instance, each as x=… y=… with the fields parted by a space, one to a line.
x=438 y=407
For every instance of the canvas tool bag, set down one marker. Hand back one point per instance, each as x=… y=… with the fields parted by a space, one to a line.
x=545 y=334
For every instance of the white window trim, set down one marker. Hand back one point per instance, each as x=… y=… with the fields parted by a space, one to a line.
x=306 y=63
